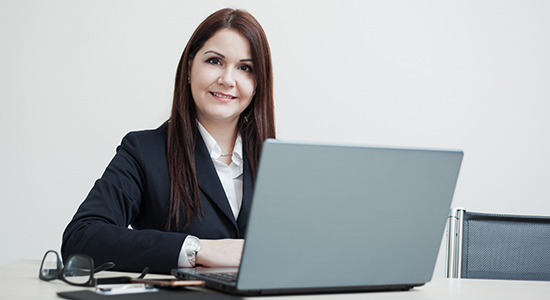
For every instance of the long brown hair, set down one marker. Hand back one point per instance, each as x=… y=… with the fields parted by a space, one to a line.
x=255 y=125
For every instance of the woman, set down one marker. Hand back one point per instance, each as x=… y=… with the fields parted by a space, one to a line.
x=186 y=187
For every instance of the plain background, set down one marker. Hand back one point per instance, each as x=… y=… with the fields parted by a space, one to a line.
x=76 y=76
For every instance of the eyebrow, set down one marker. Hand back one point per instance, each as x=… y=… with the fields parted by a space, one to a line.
x=223 y=56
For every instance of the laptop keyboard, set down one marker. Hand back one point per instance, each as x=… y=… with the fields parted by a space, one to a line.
x=229 y=277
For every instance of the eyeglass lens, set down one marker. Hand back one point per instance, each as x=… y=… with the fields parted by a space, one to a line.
x=49 y=270
x=78 y=270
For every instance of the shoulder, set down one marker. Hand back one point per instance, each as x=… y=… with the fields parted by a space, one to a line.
x=148 y=135
x=150 y=141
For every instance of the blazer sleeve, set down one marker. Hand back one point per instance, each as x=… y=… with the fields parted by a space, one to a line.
x=100 y=226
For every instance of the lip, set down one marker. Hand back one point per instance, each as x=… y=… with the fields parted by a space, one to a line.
x=222 y=97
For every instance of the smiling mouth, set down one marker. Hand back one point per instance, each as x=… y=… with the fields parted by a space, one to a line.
x=223 y=96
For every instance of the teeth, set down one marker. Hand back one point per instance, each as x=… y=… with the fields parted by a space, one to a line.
x=221 y=96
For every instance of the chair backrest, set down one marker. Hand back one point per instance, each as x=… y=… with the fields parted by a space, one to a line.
x=492 y=246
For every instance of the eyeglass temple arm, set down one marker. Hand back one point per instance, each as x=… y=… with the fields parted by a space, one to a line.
x=103 y=267
x=143 y=273
x=108 y=265
x=123 y=279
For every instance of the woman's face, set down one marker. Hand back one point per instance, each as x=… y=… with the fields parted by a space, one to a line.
x=222 y=78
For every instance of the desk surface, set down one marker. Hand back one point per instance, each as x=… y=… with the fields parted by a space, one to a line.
x=19 y=280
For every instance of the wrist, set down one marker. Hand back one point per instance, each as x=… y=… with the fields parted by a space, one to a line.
x=201 y=258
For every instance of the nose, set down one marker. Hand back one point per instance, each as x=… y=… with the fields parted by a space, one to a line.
x=227 y=78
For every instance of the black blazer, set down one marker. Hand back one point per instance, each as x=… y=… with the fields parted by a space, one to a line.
x=135 y=190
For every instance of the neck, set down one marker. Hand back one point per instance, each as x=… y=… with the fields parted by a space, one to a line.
x=224 y=134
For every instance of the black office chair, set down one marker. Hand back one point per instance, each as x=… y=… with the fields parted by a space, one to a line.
x=491 y=246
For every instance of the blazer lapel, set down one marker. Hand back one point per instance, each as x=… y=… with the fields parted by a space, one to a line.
x=248 y=190
x=209 y=182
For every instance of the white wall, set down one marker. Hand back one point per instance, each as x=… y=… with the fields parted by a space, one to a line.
x=75 y=76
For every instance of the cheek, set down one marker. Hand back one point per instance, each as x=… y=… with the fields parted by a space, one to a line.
x=248 y=87
x=203 y=77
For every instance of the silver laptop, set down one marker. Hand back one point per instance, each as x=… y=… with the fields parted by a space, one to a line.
x=337 y=218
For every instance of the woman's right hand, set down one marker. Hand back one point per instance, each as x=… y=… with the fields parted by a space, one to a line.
x=220 y=253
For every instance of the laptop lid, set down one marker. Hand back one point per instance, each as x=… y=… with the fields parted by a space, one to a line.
x=344 y=217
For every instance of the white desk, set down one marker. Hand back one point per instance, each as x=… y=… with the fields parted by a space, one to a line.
x=19 y=280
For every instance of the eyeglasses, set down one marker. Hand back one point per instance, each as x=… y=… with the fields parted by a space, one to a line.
x=78 y=270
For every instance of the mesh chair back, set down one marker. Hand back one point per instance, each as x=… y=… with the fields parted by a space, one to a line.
x=505 y=247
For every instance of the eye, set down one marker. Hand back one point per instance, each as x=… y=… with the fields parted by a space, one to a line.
x=214 y=61
x=246 y=68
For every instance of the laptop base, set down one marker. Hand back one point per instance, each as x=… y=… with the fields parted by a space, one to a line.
x=224 y=287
